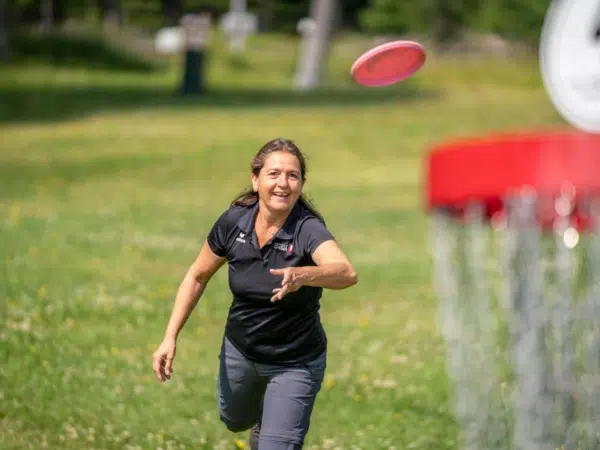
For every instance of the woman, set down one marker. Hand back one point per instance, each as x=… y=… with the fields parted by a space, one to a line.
x=280 y=256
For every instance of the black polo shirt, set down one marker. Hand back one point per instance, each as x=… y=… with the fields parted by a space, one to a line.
x=285 y=331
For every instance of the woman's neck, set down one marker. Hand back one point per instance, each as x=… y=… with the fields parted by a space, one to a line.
x=267 y=224
x=269 y=219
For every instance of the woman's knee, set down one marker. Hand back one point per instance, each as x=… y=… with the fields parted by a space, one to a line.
x=236 y=426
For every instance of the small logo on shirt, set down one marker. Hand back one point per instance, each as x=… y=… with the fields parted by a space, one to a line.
x=283 y=247
x=240 y=238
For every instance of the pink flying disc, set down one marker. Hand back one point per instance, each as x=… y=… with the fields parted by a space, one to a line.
x=388 y=63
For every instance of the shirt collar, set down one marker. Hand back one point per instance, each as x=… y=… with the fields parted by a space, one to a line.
x=246 y=222
x=289 y=227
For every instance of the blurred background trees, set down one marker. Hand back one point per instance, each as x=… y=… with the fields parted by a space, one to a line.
x=441 y=20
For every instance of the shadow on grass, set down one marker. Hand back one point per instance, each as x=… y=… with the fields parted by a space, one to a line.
x=52 y=104
x=85 y=51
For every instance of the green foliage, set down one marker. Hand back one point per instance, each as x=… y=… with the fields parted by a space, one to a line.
x=22 y=3
x=445 y=19
x=287 y=16
x=442 y=19
x=521 y=20
x=388 y=16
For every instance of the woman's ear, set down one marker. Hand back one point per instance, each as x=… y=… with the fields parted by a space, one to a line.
x=254 y=180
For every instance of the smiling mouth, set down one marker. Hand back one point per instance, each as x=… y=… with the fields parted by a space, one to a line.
x=280 y=195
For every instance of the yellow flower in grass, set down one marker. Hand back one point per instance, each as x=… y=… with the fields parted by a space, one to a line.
x=329 y=381
x=14 y=216
x=239 y=444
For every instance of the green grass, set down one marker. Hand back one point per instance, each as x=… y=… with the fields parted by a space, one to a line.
x=109 y=184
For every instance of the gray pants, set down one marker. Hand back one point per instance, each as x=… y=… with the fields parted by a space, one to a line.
x=279 y=398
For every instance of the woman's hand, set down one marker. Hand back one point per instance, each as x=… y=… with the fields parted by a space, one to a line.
x=162 y=359
x=290 y=283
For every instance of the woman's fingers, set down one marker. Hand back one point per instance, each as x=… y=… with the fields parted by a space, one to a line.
x=287 y=276
x=157 y=367
x=279 y=293
x=286 y=273
x=282 y=291
x=169 y=365
x=162 y=364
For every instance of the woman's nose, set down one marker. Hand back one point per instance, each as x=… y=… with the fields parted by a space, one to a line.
x=282 y=180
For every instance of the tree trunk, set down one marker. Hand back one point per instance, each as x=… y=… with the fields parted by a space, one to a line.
x=447 y=23
x=47 y=15
x=110 y=13
x=172 y=10
x=313 y=55
x=265 y=14
x=4 y=31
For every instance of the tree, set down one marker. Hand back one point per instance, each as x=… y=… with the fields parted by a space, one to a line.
x=521 y=20
x=449 y=18
x=172 y=10
x=442 y=20
x=51 y=13
x=265 y=14
x=316 y=44
x=110 y=13
x=390 y=16
x=4 y=31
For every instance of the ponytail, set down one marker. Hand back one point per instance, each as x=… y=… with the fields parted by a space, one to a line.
x=246 y=198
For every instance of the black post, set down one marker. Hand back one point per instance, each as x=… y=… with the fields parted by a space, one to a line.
x=196 y=30
x=193 y=73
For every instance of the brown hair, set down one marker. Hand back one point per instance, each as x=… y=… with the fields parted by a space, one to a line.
x=248 y=197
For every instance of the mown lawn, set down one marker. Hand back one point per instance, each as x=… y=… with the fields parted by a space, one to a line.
x=109 y=184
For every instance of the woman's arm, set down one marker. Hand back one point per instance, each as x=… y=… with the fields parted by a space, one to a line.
x=191 y=289
x=333 y=271
x=189 y=292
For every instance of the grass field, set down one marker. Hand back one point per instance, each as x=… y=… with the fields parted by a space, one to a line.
x=109 y=184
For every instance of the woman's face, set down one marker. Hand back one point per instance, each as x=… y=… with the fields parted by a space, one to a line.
x=279 y=183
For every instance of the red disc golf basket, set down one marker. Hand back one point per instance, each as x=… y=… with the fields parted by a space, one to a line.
x=516 y=252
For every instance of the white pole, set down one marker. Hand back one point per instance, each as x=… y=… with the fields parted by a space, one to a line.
x=238 y=34
x=315 y=45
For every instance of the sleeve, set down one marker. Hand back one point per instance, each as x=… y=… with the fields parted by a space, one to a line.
x=217 y=237
x=313 y=233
